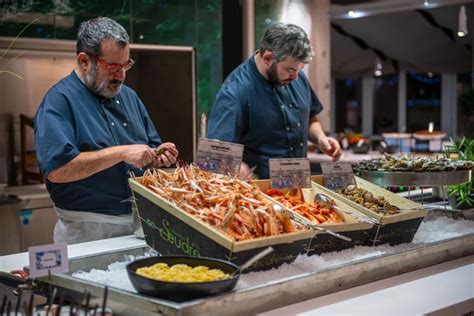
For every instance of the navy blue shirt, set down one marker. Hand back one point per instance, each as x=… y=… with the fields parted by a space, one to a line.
x=71 y=120
x=271 y=121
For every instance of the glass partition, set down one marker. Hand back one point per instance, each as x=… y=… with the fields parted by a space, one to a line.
x=165 y=22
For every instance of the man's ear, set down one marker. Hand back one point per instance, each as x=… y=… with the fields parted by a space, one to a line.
x=267 y=57
x=84 y=61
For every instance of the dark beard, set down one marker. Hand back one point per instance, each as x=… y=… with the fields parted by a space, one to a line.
x=272 y=75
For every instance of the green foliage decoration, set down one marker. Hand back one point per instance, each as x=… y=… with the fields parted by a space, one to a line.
x=462 y=149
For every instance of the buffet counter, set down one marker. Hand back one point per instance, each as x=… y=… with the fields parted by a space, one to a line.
x=347 y=156
x=20 y=260
x=414 y=293
x=414 y=279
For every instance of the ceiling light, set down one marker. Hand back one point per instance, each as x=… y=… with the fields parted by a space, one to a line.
x=426 y=3
x=378 y=68
x=351 y=13
x=462 y=22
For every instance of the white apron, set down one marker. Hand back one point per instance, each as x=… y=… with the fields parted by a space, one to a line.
x=76 y=227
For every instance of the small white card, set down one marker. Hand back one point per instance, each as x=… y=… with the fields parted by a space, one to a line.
x=46 y=258
x=219 y=157
x=290 y=173
x=337 y=175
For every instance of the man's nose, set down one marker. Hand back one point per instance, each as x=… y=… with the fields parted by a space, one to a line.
x=120 y=75
x=294 y=76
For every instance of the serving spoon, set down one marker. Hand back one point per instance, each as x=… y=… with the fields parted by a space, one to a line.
x=429 y=206
x=326 y=200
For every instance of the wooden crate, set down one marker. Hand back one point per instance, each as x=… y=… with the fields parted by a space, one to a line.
x=394 y=229
x=324 y=242
x=170 y=230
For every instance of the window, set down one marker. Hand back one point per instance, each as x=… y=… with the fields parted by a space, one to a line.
x=348 y=105
x=166 y=22
x=465 y=90
x=385 y=104
x=423 y=101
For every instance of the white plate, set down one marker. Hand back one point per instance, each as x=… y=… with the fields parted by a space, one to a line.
x=429 y=136
x=396 y=135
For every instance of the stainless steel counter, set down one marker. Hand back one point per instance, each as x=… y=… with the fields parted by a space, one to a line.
x=270 y=295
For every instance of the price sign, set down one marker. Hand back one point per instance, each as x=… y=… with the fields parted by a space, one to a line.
x=48 y=259
x=337 y=175
x=290 y=173
x=219 y=157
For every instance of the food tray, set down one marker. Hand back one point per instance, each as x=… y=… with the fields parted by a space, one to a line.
x=395 y=228
x=427 y=179
x=324 y=242
x=171 y=231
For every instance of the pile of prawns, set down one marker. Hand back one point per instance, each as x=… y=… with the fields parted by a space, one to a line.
x=316 y=212
x=231 y=206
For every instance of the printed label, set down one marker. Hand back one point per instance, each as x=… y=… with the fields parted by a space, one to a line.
x=52 y=258
x=219 y=157
x=290 y=173
x=337 y=175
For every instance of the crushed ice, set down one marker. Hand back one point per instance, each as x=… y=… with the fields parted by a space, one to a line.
x=431 y=230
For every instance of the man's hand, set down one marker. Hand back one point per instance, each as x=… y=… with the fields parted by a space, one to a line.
x=165 y=155
x=330 y=147
x=138 y=155
x=244 y=172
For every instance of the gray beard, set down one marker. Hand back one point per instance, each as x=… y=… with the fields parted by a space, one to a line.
x=102 y=88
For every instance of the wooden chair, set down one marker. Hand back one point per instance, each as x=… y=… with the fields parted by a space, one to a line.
x=29 y=167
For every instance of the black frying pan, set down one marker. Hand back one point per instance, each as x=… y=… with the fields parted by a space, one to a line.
x=182 y=291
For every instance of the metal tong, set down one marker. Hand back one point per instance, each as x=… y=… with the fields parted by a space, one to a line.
x=297 y=219
x=319 y=197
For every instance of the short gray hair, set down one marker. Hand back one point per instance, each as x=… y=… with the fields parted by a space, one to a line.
x=93 y=32
x=287 y=40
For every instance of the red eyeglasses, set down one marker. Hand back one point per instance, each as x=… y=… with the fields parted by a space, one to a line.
x=114 y=68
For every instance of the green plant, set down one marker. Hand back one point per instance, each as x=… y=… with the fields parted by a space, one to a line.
x=463 y=149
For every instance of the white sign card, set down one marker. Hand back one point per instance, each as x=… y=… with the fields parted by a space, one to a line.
x=219 y=157
x=290 y=173
x=46 y=258
x=337 y=175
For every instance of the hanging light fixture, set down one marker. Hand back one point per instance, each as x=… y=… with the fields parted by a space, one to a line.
x=378 y=68
x=462 y=22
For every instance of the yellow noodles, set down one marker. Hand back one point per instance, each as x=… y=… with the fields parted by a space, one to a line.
x=181 y=273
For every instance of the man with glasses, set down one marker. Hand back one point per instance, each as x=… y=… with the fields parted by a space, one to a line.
x=268 y=105
x=91 y=131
